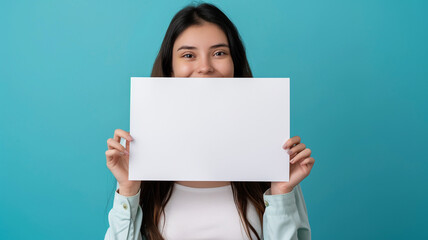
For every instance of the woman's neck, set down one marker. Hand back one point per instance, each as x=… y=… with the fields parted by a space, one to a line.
x=200 y=184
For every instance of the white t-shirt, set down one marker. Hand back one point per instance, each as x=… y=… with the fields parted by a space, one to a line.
x=205 y=213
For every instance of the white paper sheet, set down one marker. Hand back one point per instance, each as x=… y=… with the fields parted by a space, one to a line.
x=209 y=129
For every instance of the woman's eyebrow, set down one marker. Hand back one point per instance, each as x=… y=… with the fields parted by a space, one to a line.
x=219 y=45
x=185 y=47
x=213 y=46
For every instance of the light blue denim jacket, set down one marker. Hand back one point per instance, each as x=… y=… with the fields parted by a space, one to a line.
x=285 y=217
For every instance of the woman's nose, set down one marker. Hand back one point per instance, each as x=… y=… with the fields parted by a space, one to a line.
x=205 y=67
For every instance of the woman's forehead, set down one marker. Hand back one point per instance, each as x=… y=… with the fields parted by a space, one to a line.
x=201 y=36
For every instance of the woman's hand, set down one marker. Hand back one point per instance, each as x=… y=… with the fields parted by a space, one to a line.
x=118 y=162
x=301 y=165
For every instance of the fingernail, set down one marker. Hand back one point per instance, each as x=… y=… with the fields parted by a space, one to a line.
x=290 y=152
x=130 y=138
x=126 y=152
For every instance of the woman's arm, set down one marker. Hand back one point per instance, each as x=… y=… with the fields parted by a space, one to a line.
x=126 y=215
x=286 y=216
x=125 y=218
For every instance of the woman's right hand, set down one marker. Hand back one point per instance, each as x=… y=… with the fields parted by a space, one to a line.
x=118 y=162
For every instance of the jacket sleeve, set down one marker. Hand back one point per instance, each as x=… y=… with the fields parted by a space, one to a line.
x=286 y=216
x=125 y=218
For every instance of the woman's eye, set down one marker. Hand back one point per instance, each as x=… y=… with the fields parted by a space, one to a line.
x=220 y=53
x=188 y=55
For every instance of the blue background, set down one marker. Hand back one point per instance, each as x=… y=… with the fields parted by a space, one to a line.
x=358 y=74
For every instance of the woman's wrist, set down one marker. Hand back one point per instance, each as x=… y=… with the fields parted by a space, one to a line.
x=128 y=191
x=275 y=191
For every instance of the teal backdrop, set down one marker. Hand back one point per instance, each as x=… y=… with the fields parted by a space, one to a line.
x=358 y=74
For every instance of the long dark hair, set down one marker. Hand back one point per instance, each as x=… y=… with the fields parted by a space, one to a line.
x=155 y=194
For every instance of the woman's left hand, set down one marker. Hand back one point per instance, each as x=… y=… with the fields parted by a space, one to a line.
x=301 y=164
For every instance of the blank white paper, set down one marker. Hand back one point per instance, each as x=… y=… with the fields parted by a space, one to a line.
x=209 y=129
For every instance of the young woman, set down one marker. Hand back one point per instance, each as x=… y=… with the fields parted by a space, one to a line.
x=202 y=42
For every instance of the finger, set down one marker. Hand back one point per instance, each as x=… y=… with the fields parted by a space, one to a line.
x=307 y=164
x=291 y=142
x=112 y=144
x=112 y=154
x=309 y=160
x=127 y=146
x=302 y=155
x=118 y=133
x=298 y=148
x=108 y=143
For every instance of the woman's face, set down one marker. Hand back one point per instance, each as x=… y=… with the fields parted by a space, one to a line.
x=202 y=51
